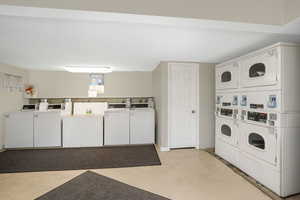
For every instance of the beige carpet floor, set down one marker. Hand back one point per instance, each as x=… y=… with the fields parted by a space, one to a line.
x=186 y=174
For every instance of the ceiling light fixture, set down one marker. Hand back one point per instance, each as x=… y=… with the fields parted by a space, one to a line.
x=102 y=70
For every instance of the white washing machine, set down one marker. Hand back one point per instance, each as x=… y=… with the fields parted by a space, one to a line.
x=142 y=124
x=117 y=126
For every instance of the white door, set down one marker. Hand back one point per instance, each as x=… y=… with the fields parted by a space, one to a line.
x=183 y=105
x=19 y=130
x=142 y=126
x=47 y=129
x=116 y=127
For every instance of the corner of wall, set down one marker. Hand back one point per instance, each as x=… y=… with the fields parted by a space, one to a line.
x=290 y=10
x=207 y=103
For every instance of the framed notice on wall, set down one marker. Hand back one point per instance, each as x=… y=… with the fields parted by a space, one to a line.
x=96 y=86
x=12 y=83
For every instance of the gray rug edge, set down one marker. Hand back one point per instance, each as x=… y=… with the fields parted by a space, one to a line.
x=95 y=173
x=156 y=163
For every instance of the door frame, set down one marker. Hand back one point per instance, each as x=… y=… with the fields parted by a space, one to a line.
x=197 y=143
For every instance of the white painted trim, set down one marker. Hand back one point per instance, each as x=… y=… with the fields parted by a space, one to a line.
x=163 y=149
x=197 y=108
x=169 y=104
x=53 y=13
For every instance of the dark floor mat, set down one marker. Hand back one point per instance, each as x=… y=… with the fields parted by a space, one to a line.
x=77 y=158
x=92 y=186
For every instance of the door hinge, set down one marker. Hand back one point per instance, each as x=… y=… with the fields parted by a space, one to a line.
x=275 y=159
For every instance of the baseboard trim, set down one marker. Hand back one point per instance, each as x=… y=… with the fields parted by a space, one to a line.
x=164 y=148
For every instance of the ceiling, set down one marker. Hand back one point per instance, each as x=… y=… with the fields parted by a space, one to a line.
x=50 y=39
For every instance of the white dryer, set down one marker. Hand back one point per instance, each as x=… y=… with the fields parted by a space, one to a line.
x=261 y=69
x=142 y=126
x=227 y=76
x=268 y=116
x=227 y=136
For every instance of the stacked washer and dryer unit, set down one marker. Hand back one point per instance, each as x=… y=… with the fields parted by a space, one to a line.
x=258 y=116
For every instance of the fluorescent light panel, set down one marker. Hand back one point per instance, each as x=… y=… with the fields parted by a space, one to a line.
x=102 y=70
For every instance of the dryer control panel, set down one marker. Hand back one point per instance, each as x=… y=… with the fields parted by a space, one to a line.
x=257 y=116
x=262 y=100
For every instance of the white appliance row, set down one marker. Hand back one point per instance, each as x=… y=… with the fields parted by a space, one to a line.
x=129 y=126
x=268 y=154
x=29 y=129
x=32 y=129
x=258 y=116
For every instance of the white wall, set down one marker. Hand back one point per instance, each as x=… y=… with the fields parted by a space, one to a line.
x=160 y=93
x=292 y=10
x=250 y=11
x=206 y=104
x=65 y=84
x=9 y=101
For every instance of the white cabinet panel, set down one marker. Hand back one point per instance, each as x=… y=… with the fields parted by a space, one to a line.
x=19 y=130
x=142 y=126
x=47 y=129
x=82 y=131
x=116 y=123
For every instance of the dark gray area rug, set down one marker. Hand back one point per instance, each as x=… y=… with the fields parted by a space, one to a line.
x=92 y=186
x=77 y=158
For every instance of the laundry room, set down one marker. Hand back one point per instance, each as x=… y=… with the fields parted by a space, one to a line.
x=149 y=100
